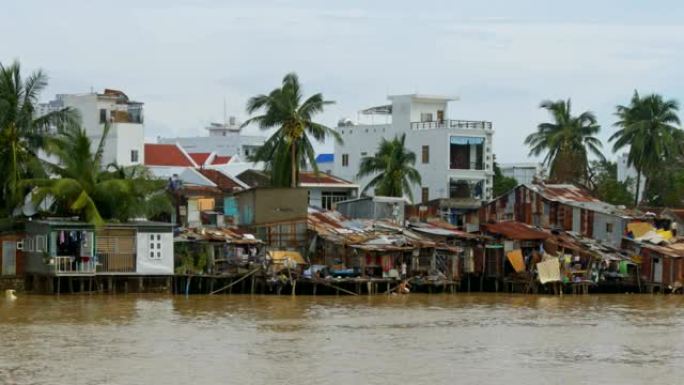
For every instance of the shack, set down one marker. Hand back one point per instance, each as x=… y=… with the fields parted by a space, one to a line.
x=662 y=267
x=12 y=260
x=514 y=251
x=216 y=251
x=560 y=207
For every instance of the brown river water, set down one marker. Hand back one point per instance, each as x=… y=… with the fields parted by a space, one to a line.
x=415 y=339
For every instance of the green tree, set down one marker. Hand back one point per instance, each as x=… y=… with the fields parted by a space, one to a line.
x=567 y=141
x=606 y=186
x=290 y=147
x=22 y=133
x=648 y=126
x=79 y=185
x=502 y=184
x=393 y=164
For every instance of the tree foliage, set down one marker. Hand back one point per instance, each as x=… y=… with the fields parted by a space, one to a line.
x=290 y=147
x=502 y=184
x=648 y=126
x=22 y=134
x=605 y=184
x=567 y=142
x=392 y=168
x=79 y=185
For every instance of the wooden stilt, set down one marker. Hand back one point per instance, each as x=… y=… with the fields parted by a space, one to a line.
x=294 y=286
x=59 y=286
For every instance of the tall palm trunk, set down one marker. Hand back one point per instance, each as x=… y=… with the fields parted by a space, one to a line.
x=293 y=148
x=638 y=186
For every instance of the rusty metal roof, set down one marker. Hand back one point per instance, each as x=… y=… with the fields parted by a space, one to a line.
x=222 y=234
x=563 y=192
x=517 y=231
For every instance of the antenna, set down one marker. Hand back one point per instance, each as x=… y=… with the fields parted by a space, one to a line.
x=224 y=112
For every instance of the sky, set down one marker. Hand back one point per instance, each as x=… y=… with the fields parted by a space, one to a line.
x=183 y=59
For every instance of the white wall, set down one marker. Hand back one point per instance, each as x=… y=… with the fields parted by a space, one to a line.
x=229 y=145
x=161 y=262
x=624 y=172
x=435 y=175
x=122 y=138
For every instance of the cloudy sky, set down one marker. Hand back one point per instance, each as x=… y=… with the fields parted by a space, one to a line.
x=183 y=58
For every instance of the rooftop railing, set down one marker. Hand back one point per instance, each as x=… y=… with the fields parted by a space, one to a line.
x=459 y=124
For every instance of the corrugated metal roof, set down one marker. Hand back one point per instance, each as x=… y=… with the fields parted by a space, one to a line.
x=517 y=231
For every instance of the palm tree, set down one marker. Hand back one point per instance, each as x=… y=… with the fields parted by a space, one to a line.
x=394 y=165
x=567 y=141
x=79 y=185
x=22 y=132
x=289 y=148
x=648 y=126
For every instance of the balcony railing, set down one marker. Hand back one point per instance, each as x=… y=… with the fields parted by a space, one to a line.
x=459 y=124
x=69 y=265
x=115 y=263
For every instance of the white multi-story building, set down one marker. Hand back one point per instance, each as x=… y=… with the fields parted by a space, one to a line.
x=454 y=157
x=225 y=139
x=625 y=172
x=125 y=142
x=523 y=173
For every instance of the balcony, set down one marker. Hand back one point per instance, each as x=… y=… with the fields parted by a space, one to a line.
x=67 y=265
x=456 y=124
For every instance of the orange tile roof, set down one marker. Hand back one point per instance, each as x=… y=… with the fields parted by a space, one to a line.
x=166 y=155
x=199 y=157
x=223 y=181
x=218 y=159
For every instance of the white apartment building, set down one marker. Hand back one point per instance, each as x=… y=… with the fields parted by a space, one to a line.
x=454 y=157
x=225 y=139
x=126 y=139
x=523 y=173
x=625 y=172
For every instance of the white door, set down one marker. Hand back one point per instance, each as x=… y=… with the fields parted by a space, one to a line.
x=657 y=270
x=9 y=258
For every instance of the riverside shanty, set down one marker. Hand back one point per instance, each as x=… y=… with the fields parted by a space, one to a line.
x=534 y=239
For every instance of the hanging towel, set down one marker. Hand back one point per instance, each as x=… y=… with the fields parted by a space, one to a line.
x=61 y=237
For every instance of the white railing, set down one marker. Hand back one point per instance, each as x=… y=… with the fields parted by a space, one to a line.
x=69 y=265
x=460 y=124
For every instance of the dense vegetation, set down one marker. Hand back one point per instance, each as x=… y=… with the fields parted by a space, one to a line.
x=74 y=182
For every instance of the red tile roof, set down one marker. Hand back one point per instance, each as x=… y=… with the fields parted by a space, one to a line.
x=218 y=159
x=321 y=178
x=223 y=181
x=166 y=155
x=200 y=157
x=517 y=231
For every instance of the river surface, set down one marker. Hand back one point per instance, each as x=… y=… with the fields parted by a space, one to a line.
x=415 y=339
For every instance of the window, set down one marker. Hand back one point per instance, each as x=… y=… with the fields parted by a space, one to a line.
x=155 y=246
x=609 y=227
x=465 y=189
x=329 y=198
x=466 y=153
x=425 y=194
x=440 y=116
x=426 y=116
x=426 y=154
x=134 y=156
x=345 y=160
x=103 y=115
x=41 y=243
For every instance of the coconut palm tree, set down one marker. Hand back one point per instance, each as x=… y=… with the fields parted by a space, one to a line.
x=567 y=141
x=648 y=126
x=393 y=164
x=290 y=147
x=22 y=132
x=79 y=185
